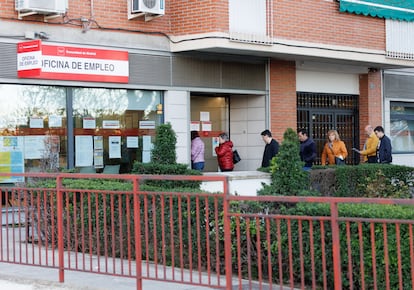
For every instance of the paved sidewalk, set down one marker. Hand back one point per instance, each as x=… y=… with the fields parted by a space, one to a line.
x=18 y=277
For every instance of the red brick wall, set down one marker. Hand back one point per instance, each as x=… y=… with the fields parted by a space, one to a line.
x=320 y=21
x=107 y=15
x=282 y=97
x=317 y=21
x=370 y=102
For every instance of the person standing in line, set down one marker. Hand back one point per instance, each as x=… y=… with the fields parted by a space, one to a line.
x=197 y=151
x=271 y=148
x=384 y=148
x=225 y=153
x=307 y=149
x=370 y=147
x=334 y=147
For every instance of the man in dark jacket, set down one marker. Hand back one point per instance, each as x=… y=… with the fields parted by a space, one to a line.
x=271 y=148
x=384 y=148
x=307 y=149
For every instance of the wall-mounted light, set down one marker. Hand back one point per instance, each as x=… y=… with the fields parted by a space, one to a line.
x=36 y=35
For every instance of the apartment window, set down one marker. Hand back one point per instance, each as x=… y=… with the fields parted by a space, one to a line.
x=399 y=39
x=250 y=21
x=402 y=127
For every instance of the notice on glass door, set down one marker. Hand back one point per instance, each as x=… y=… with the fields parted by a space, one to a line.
x=114 y=147
x=83 y=151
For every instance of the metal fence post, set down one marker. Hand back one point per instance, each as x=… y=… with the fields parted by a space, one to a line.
x=336 y=246
x=227 y=236
x=59 y=200
x=137 y=223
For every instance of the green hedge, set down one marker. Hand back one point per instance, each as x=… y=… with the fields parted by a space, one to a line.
x=167 y=169
x=365 y=180
x=308 y=227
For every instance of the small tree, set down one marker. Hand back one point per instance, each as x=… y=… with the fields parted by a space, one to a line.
x=164 y=145
x=288 y=177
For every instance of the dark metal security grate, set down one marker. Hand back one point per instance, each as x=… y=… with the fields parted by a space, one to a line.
x=320 y=112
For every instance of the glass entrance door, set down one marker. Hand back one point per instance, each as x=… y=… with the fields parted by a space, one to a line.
x=212 y=115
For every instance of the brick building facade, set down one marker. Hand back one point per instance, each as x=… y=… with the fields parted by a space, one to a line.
x=225 y=65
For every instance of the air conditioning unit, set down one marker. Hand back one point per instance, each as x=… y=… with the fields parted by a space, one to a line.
x=42 y=6
x=148 y=6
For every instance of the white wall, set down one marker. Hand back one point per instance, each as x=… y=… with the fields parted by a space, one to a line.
x=327 y=82
x=247 y=121
x=176 y=112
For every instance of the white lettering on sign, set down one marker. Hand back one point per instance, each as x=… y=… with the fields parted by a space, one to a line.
x=58 y=64
x=99 y=67
x=71 y=63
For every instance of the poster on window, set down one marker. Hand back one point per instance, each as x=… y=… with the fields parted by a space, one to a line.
x=34 y=146
x=11 y=158
x=89 y=123
x=83 y=151
x=55 y=121
x=114 y=147
x=36 y=122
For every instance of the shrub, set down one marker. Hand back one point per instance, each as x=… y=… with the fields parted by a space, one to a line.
x=288 y=177
x=291 y=253
x=164 y=145
x=166 y=169
x=365 y=180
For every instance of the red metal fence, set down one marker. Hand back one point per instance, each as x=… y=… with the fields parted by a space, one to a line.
x=74 y=222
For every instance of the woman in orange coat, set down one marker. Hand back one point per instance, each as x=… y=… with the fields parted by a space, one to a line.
x=334 y=147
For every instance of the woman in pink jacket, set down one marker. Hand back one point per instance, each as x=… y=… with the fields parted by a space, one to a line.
x=197 y=151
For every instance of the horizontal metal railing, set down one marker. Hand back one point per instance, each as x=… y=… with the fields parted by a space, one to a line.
x=207 y=239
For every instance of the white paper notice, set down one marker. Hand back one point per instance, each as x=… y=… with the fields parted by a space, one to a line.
x=36 y=122
x=83 y=151
x=110 y=124
x=89 y=123
x=114 y=146
x=205 y=126
x=132 y=142
x=55 y=121
x=98 y=159
x=194 y=126
x=34 y=147
x=146 y=149
x=146 y=143
x=204 y=116
x=146 y=156
x=214 y=144
x=147 y=124
x=98 y=142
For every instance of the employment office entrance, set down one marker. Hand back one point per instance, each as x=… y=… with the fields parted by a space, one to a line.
x=243 y=117
x=321 y=112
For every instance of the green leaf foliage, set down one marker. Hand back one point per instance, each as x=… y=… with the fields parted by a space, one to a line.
x=164 y=145
x=288 y=177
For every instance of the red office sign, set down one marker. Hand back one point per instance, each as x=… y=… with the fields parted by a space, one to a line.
x=78 y=64
x=29 y=58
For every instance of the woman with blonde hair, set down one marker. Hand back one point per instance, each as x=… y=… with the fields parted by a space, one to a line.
x=334 y=150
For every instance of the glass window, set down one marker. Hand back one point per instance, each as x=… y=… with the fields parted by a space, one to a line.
x=402 y=127
x=114 y=126
x=32 y=127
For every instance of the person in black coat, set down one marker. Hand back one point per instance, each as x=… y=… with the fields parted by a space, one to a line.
x=384 y=148
x=271 y=148
x=307 y=149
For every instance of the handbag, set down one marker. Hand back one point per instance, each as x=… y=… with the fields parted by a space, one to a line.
x=236 y=157
x=339 y=161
